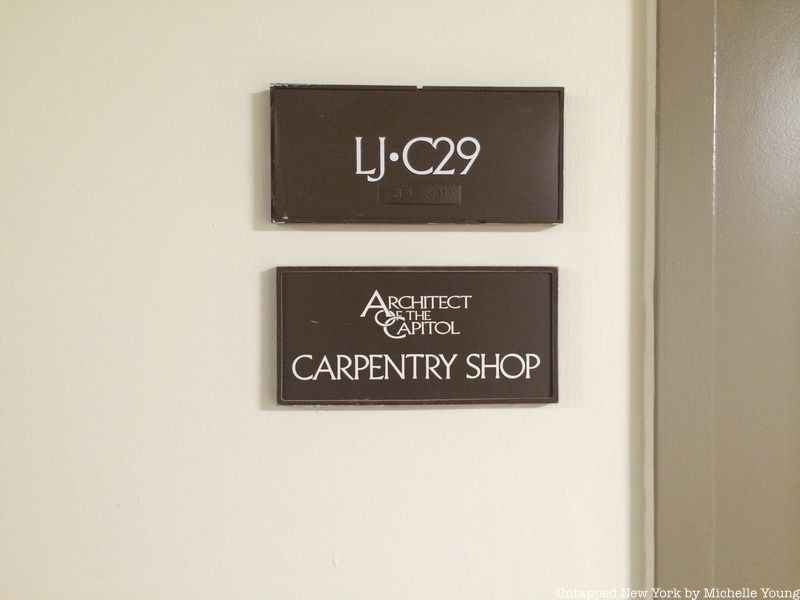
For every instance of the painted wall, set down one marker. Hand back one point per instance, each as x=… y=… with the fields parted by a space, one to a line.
x=141 y=451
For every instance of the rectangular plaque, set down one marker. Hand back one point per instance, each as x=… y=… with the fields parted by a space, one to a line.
x=345 y=154
x=438 y=335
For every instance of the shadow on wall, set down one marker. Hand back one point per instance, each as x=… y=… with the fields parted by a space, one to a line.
x=261 y=161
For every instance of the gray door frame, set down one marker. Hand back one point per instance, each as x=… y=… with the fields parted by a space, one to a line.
x=684 y=292
x=727 y=285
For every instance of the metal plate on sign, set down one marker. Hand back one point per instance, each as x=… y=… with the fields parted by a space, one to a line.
x=345 y=154
x=438 y=335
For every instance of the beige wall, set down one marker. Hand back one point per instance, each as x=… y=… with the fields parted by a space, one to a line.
x=141 y=452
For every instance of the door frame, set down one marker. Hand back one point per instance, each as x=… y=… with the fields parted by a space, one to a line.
x=684 y=420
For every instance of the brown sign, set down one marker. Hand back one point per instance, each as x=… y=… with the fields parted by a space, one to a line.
x=481 y=335
x=416 y=155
